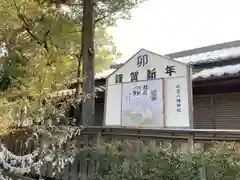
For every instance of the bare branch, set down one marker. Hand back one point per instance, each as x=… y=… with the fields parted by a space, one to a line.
x=15 y=176
x=79 y=57
x=100 y=19
x=27 y=28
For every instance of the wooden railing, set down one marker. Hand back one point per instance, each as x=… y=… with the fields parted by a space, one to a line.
x=161 y=130
x=199 y=135
x=188 y=139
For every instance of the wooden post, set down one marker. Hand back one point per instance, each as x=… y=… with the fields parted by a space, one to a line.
x=191 y=118
x=88 y=106
x=203 y=174
x=98 y=144
x=84 y=175
x=152 y=144
x=191 y=147
x=190 y=97
x=163 y=100
x=99 y=139
x=190 y=106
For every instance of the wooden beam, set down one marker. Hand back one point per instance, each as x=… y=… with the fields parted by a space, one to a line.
x=217 y=80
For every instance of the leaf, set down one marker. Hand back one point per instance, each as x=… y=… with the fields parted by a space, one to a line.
x=66 y=59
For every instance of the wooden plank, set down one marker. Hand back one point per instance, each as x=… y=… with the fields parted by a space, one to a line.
x=83 y=171
x=66 y=171
x=58 y=175
x=21 y=147
x=74 y=169
x=78 y=165
x=15 y=147
x=43 y=170
x=49 y=170
x=99 y=141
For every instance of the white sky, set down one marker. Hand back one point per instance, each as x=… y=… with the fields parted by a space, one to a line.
x=165 y=26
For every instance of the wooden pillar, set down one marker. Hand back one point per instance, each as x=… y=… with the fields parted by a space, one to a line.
x=191 y=148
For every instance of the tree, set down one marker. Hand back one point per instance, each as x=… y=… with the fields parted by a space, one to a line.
x=95 y=12
x=42 y=44
x=105 y=12
x=88 y=107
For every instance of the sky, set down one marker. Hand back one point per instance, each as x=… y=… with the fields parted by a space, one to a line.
x=166 y=26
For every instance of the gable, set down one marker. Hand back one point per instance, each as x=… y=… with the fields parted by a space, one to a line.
x=144 y=61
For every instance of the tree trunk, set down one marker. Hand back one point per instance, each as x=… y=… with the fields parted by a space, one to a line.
x=88 y=108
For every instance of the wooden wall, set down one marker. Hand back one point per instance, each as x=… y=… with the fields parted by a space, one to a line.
x=184 y=140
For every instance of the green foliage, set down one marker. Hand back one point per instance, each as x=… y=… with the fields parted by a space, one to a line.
x=43 y=44
x=105 y=12
x=223 y=162
x=133 y=160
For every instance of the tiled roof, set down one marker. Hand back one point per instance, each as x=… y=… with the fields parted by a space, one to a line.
x=69 y=92
x=217 y=72
x=210 y=48
x=99 y=75
x=207 y=54
x=103 y=74
x=65 y=92
x=212 y=56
